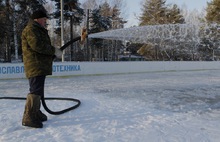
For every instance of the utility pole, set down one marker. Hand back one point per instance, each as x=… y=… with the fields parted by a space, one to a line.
x=62 y=28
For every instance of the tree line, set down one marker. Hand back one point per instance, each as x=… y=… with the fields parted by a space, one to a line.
x=105 y=15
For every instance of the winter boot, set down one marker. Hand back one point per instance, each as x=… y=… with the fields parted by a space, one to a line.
x=32 y=107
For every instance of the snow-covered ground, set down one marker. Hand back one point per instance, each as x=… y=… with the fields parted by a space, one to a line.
x=147 y=107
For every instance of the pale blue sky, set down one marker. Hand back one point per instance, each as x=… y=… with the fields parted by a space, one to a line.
x=134 y=7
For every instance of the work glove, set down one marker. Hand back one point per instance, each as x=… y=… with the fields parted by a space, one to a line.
x=58 y=53
x=83 y=35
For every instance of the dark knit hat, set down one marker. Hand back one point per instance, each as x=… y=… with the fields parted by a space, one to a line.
x=39 y=14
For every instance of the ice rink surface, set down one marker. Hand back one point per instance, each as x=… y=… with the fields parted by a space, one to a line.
x=152 y=107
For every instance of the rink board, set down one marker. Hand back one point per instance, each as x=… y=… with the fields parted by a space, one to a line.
x=16 y=70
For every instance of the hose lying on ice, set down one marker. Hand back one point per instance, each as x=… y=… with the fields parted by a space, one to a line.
x=45 y=106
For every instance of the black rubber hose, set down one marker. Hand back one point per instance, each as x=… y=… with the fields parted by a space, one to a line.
x=45 y=106
x=70 y=42
x=62 y=111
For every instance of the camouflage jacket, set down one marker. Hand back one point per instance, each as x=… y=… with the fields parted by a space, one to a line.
x=37 y=50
